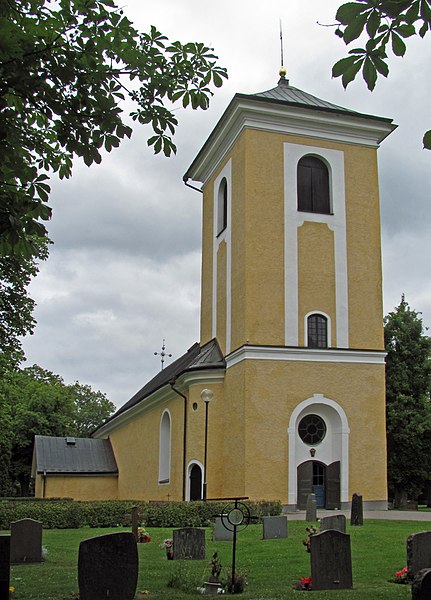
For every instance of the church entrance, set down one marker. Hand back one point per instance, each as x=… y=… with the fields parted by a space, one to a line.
x=195 y=482
x=314 y=477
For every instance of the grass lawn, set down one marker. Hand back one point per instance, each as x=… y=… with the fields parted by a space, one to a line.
x=378 y=550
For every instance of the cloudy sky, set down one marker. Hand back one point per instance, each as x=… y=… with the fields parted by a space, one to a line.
x=124 y=270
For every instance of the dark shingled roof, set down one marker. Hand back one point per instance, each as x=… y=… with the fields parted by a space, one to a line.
x=208 y=356
x=73 y=455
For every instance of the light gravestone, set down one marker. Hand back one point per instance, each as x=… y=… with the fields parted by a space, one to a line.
x=220 y=533
x=331 y=560
x=311 y=508
x=25 y=541
x=418 y=553
x=189 y=544
x=357 y=511
x=337 y=522
x=4 y=566
x=108 y=567
x=421 y=586
x=274 y=527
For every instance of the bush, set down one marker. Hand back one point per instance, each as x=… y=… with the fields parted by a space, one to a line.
x=70 y=514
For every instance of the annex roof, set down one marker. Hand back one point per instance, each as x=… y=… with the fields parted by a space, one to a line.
x=208 y=356
x=73 y=456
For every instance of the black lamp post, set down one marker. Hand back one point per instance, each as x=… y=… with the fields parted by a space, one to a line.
x=207 y=396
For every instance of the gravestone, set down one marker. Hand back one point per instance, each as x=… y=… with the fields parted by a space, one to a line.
x=220 y=533
x=421 y=587
x=135 y=521
x=311 y=508
x=108 y=567
x=337 y=522
x=331 y=560
x=25 y=541
x=357 y=511
x=274 y=527
x=4 y=566
x=189 y=543
x=418 y=553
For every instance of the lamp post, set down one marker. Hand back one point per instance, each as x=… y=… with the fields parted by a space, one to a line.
x=207 y=396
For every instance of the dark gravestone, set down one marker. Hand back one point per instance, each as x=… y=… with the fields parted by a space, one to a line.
x=418 y=553
x=135 y=521
x=337 y=522
x=357 y=511
x=274 y=527
x=331 y=560
x=4 y=566
x=108 y=567
x=26 y=541
x=311 y=509
x=189 y=543
x=220 y=533
x=421 y=587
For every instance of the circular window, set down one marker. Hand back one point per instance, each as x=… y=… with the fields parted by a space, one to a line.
x=312 y=429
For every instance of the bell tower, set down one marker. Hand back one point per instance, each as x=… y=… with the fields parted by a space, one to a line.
x=292 y=291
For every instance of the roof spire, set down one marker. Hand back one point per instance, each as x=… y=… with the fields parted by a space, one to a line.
x=282 y=71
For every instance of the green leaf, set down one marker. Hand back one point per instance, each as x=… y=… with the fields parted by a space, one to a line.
x=380 y=65
x=373 y=23
x=406 y=31
x=427 y=140
x=355 y=28
x=343 y=65
x=350 y=73
x=398 y=46
x=347 y=13
x=369 y=73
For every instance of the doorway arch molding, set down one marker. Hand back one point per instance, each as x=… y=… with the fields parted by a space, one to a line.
x=306 y=406
x=190 y=466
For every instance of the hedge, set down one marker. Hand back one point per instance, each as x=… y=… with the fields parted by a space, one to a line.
x=66 y=514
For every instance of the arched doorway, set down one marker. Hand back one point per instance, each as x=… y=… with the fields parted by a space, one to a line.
x=195 y=482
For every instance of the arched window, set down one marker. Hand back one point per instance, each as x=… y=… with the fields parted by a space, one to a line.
x=222 y=206
x=165 y=448
x=313 y=185
x=317 y=331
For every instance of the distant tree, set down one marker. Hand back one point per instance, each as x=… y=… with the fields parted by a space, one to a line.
x=408 y=408
x=34 y=401
x=65 y=69
x=386 y=24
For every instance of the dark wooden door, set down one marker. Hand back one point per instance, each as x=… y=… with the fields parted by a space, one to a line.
x=333 y=485
x=304 y=484
x=195 y=483
x=319 y=484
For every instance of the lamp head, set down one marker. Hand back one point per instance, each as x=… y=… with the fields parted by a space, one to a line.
x=207 y=395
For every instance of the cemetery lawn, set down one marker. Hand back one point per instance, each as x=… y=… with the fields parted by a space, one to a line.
x=378 y=550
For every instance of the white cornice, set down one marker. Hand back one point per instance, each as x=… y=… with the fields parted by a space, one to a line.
x=186 y=380
x=372 y=357
x=292 y=120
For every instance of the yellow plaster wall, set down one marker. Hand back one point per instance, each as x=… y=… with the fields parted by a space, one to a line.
x=136 y=449
x=221 y=295
x=275 y=388
x=316 y=275
x=100 y=487
x=207 y=263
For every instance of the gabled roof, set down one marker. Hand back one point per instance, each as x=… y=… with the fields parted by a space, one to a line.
x=73 y=456
x=196 y=358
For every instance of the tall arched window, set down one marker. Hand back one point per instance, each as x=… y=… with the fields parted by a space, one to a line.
x=313 y=185
x=317 y=331
x=165 y=448
x=222 y=206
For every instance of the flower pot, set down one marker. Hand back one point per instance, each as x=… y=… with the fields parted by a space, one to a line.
x=211 y=588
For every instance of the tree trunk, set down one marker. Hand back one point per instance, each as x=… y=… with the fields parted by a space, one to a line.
x=400 y=499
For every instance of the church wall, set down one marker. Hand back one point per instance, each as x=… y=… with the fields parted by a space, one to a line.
x=275 y=388
x=316 y=275
x=221 y=296
x=88 y=487
x=136 y=448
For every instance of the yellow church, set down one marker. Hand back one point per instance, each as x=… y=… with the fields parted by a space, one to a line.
x=284 y=395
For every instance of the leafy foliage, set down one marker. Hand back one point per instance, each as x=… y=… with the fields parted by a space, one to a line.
x=408 y=407
x=34 y=401
x=65 y=69
x=386 y=24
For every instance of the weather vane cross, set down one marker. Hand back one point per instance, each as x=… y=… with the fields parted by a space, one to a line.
x=162 y=354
